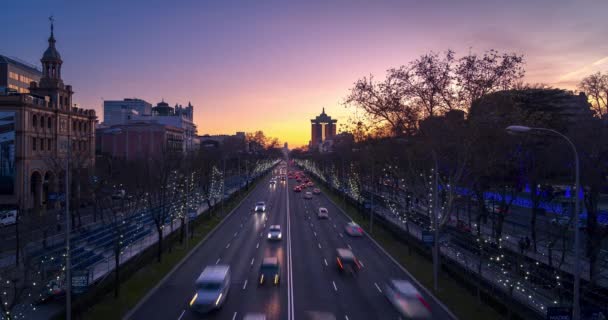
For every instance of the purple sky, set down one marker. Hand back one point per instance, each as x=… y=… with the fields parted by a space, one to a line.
x=273 y=65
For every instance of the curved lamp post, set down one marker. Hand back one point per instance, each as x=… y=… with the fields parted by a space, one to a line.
x=577 y=264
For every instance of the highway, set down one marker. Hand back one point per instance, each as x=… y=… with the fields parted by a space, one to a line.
x=310 y=284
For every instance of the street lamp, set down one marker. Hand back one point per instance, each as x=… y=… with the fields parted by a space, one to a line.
x=577 y=264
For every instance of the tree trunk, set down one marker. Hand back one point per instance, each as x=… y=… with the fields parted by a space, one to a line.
x=594 y=243
x=535 y=197
x=159 y=245
x=182 y=231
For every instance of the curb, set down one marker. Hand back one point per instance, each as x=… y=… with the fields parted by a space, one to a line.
x=150 y=292
x=427 y=291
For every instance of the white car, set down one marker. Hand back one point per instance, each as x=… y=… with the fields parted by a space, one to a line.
x=308 y=195
x=212 y=288
x=353 y=229
x=407 y=300
x=260 y=207
x=8 y=217
x=274 y=233
x=322 y=214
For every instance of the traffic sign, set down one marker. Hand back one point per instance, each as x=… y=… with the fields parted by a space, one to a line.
x=80 y=281
x=428 y=237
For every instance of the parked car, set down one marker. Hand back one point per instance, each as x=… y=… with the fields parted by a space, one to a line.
x=8 y=217
x=212 y=287
x=297 y=189
x=308 y=195
x=316 y=191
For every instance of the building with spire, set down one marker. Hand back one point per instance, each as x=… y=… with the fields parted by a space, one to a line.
x=41 y=131
x=322 y=128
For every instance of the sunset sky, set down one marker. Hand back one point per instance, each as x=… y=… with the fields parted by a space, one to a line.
x=272 y=65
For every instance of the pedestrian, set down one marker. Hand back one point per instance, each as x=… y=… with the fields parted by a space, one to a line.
x=522 y=245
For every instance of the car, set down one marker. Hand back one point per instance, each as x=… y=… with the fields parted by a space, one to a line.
x=269 y=270
x=310 y=184
x=316 y=191
x=260 y=206
x=322 y=214
x=8 y=217
x=273 y=182
x=297 y=189
x=560 y=220
x=346 y=261
x=274 y=232
x=353 y=229
x=308 y=195
x=212 y=287
x=119 y=194
x=254 y=316
x=407 y=300
x=282 y=178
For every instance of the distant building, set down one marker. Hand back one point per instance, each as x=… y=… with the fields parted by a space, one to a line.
x=322 y=127
x=337 y=142
x=17 y=75
x=121 y=111
x=38 y=131
x=179 y=117
x=217 y=140
x=139 y=140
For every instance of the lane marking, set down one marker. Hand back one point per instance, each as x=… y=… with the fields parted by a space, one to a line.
x=334 y=226
x=319 y=245
x=257 y=245
x=315 y=233
x=361 y=263
x=252 y=259
x=378 y=287
x=341 y=235
x=235 y=234
x=234 y=316
x=290 y=308
x=345 y=317
x=181 y=315
x=334 y=283
x=325 y=260
x=245 y=285
x=218 y=260
x=349 y=246
x=228 y=245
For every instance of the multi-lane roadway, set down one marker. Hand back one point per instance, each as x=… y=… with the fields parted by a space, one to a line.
x=310 y=286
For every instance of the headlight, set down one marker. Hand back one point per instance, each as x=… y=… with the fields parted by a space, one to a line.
x=279 y=235
x=269 y=235
x=218 y=299
x=193 y=299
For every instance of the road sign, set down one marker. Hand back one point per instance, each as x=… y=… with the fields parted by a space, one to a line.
x=80 y=281
x=559 y=313
x=428 y=237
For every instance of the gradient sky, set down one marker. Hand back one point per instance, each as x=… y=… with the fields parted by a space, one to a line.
x=272 y=65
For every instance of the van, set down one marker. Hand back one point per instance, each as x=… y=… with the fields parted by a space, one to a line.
x=8 y=217
x=212 y=288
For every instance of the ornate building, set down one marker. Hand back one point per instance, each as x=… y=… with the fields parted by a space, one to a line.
x=322 y=127
x=39 y=132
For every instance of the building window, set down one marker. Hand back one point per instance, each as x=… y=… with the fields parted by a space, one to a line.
x=42 y=122
x=49 y=144
x=13 y=75
x=34 y=121
x=42 y=144
x=49 y=123
x=33 y=143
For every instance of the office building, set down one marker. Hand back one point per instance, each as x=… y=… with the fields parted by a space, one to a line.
x=17 y=75
x=122 y=111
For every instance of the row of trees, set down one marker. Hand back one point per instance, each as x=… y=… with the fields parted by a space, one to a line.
x=162 y=189
x=450 y=114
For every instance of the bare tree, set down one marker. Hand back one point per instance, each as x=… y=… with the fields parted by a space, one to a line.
x=596 y=88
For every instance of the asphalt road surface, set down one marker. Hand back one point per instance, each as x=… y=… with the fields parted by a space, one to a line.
x=310 y=286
